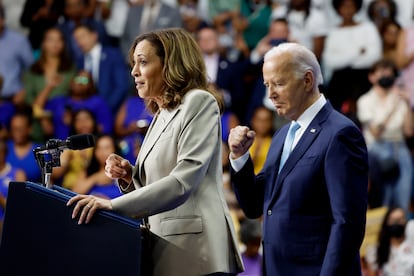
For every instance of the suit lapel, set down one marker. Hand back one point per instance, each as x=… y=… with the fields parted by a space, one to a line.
x=274 y=159
x=157 y=127
x=102 y=63
x=302 y=146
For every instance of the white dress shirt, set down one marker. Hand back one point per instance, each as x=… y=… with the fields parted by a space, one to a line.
x=211 y=62
x=95 y=54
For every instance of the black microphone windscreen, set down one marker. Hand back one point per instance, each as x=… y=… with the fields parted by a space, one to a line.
x=80 y=141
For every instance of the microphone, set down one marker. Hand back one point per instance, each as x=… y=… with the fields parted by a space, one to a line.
x=74 y=142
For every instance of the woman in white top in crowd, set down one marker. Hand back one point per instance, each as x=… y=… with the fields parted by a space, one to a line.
x=387 y=119
x=350 y=50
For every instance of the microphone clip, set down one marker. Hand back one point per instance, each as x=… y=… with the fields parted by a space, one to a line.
x=47 y=158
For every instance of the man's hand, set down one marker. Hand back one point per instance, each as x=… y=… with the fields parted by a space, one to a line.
x=240 y=140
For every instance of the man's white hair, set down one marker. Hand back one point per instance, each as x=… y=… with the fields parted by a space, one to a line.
x=303 y=59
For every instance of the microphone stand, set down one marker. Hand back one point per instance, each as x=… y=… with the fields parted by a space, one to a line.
x=47 y=165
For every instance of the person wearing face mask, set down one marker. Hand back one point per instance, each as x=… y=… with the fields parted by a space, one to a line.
x=387 y=119
x=381 y=257
x=403 y=263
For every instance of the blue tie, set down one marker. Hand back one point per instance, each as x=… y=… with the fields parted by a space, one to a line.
x=287 y=147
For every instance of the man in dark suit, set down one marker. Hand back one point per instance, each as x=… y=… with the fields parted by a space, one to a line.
x=105 y=63
x=74 y=15
x=225 y=76
x=314 y=205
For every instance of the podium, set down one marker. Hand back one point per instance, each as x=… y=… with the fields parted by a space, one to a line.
x=40 y=237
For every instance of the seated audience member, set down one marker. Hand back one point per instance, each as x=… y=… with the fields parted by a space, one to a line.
x=224 y=75
x=405 y=59
x=252 y=21
x=351 y=48
x=308 y=25
x=223 y=17
x=146 y=16
x=48 y=77
x=113 y=14
x=93 y=180
x=390 y=238
x=251 y=237
x=38 y=16
x=131 y=124
x=14 y=61
x=387 y=119
x=75 y=13
x=20 y=146
x=380 y=11
x=7 y=109
x=191 y=17
x=279 y=32
x=403 y=263
x=262 y=123
x=389 y=32
x=82 y=94
x=106 y=65
x=7 y=173
x=74 y=162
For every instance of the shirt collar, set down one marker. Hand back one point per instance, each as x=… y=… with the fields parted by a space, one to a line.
x=96 y=50
x=309 y=114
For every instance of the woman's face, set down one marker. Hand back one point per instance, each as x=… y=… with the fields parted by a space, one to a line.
x=397 y=217
x=104 y=147
x=347 y=9
x=262 y=121
x=390 y=35
x=53 y=43
x=84 y=123
x=147 y=72
x=20 y=129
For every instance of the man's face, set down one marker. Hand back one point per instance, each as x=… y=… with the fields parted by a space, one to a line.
x=279 y=30
x=85 y=39
x=286 y=89
x=208 y=41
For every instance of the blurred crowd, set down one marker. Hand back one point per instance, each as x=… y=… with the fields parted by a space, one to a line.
x=64 y=70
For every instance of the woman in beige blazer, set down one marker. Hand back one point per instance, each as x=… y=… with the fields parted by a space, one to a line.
x=177 y=179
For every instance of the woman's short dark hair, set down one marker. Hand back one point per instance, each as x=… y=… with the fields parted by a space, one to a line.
x=337 y=3
x=384 y=64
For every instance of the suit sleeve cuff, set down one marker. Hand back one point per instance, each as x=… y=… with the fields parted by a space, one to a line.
x=237 y=164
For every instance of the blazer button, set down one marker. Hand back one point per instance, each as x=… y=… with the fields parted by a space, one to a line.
x=269 y=212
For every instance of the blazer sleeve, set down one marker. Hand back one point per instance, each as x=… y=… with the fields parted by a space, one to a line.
x=198 y=138
x=249 y=190
x=347 y=183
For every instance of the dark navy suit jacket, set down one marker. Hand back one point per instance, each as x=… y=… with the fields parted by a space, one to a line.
x=113 y=84
x=315 y=208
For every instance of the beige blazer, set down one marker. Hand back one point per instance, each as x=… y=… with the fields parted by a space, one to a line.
x=177 y=182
